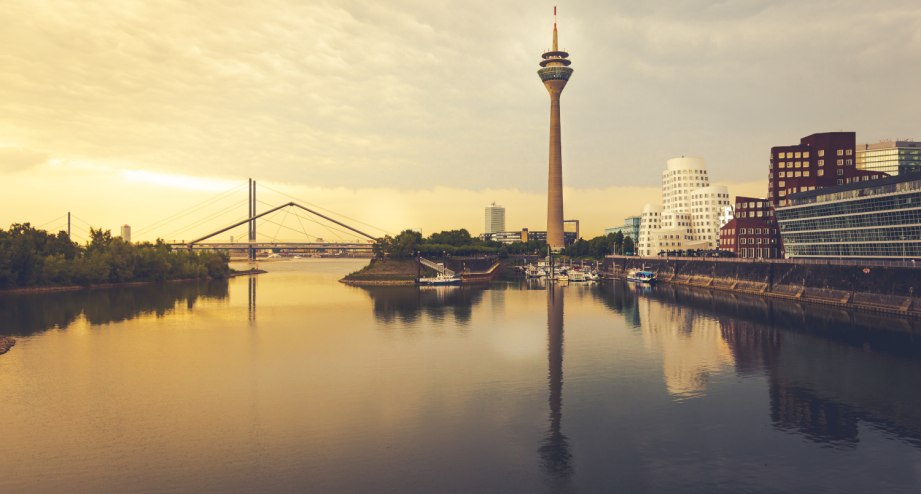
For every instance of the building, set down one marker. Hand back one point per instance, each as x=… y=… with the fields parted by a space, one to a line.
x=126 y=233
x=752 y=232
x=692 y=213
x=509 y=237
x=892 y=157
x=555 y=73
x=630 y=228
x=819 y=160
x=874 y=219
x=495 y=218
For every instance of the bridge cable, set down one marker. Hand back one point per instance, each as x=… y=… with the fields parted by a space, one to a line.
x=188 y=210
x=312 y=220
x=325 y=209
x=204 y=220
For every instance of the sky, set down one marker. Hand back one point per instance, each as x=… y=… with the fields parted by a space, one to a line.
x=417 y=114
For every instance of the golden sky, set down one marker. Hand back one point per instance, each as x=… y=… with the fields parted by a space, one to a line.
x=416 y=113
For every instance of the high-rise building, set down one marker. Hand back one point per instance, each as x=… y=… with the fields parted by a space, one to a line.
x=819 y=160
x=495 y=218
x=555 y=73
x=692 y=214
x=892 y=157
x=126 y=233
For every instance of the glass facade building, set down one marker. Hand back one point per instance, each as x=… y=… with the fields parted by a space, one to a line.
x=630 y=228
x=874 y=219
x=892 y=157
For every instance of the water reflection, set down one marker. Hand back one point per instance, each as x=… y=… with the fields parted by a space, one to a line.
x=407 y=303
x=555 y=452
x=26 y=315
x=828 y=369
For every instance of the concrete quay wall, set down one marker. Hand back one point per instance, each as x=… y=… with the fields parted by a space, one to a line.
x=890 y=289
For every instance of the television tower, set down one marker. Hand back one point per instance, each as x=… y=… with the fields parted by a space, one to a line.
x=554 y=73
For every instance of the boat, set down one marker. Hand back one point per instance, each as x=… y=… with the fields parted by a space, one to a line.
x=641 y=276
x=440 y=279
x=577 y=275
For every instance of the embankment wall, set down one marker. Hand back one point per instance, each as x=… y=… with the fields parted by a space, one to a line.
x=878 y=288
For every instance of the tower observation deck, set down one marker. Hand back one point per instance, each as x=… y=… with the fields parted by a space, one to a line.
x=555 y=73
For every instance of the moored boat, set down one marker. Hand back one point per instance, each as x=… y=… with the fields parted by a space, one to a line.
x=641 y=276
x=440 y=279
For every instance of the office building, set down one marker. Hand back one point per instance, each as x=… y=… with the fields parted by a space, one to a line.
x=630 y=228
x=874 y=219
x=126 y=233
x=819 y=160
x=891 y=157
x=555 y=73
x=495 y=218
x=692 y=213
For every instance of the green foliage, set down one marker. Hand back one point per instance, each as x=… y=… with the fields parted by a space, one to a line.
x=30 y=257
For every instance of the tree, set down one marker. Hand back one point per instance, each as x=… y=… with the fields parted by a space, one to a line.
x=628 y=246
x=618 y=242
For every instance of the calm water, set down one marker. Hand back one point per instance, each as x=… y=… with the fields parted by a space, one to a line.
x=292 y=382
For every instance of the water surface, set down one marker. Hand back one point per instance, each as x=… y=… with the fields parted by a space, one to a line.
x=292 y=382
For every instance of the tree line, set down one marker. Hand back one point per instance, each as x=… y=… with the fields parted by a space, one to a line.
x=460 y=243
x=31 y=257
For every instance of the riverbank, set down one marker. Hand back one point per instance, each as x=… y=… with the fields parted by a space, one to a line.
x=385 y=272
x=6 y=343
x=872 y=288
x=98 y=286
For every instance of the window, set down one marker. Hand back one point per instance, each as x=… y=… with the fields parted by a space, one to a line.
x=840 y=172
x=806 y=154
x=840 y=152
x=850 y=152
x=805 y=173
x=839 y=162
x=799 y=155
x=821 y=162
x=821 y=152
x=849 y=162
x=840 y=181
x=821 y=172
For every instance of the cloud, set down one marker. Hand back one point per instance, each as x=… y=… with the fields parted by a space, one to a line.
x=412 y=95
x=18 y=159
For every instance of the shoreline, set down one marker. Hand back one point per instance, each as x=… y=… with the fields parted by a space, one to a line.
x=377 y=282
x=35 y=290
x=6 y=343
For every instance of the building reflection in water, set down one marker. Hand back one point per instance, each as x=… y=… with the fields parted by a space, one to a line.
x=829 y=370
x=555 y=453
x=690 y=344
x=26 y=315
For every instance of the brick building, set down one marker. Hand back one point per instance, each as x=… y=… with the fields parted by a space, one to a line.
x=752 y=233
x=819 y=160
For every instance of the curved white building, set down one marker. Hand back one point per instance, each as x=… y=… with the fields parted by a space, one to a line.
x=692 y=213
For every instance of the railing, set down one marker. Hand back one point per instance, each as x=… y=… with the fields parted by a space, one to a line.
x=437 y=266
x=905 y=263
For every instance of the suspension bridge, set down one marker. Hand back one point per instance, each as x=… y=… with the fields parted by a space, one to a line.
x=214 y=225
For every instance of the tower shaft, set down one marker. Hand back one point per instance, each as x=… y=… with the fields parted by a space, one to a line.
x=555 y=173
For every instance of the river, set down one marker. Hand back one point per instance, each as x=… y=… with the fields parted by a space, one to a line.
x=292 y=382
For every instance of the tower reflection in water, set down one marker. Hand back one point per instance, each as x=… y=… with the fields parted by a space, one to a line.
x=555 y=454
